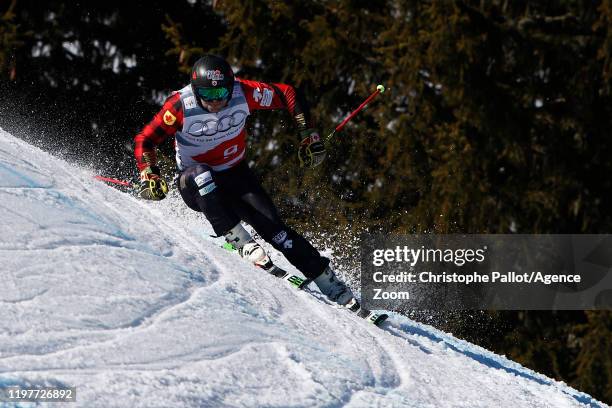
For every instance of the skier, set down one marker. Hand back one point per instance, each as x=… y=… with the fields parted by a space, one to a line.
x=207 y=119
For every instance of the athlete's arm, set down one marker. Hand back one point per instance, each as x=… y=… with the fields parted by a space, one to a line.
x=164 y=124
x=261 y=95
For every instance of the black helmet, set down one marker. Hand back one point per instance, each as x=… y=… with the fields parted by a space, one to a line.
x=212 y=78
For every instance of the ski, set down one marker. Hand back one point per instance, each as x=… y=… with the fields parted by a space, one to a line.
x=371 y=317
x=294 y=280
x=375 y=318
x=301 y=283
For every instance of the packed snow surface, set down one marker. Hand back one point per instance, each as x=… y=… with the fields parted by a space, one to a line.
x=135 y=305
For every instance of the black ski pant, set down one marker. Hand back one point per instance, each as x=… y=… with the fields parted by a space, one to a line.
x=229 y=196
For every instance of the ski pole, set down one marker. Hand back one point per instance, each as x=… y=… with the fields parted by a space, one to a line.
x=379 y=89
x=115 y=181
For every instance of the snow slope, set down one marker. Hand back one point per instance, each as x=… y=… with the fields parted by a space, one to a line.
x=134 y=304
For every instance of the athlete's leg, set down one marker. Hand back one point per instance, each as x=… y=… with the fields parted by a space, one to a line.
x=199 y=191
x=250 y=201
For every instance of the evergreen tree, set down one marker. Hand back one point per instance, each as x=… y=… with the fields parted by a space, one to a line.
x=91 y=76
x=9 y=42
x=594 y=363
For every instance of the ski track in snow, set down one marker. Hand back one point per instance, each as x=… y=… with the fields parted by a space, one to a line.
x=136 y=305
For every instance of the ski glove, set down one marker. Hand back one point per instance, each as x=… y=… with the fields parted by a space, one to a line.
x=311 y=152
x=152 y=186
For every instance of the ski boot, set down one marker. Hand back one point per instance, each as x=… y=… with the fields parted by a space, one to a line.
x=336 y=290
x=253 y=252
x=250 y=250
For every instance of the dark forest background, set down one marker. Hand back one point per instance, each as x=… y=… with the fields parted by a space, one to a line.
x=497 y=119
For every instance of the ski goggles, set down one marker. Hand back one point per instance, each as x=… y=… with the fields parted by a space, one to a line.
x=212 y=94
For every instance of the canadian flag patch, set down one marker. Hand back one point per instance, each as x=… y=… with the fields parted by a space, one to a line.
x=169 y=118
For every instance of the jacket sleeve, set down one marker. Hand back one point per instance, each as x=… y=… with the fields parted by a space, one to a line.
x=262 y=96
x=164 y=125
